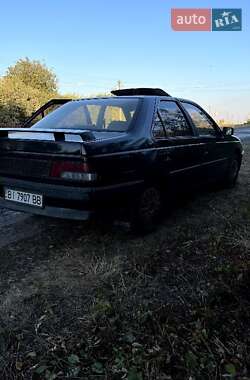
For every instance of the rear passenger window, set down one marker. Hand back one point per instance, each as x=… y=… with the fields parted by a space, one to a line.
x=173 y=120
x=203 y=124
x=158 y=129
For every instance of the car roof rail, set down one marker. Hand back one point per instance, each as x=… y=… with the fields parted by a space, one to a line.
x=140 y=91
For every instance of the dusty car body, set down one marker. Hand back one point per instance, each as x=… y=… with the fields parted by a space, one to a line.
x=95 y=155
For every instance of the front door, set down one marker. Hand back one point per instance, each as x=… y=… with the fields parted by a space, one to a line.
x=215 y=159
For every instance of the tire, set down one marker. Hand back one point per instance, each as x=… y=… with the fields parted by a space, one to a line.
x=232 y=172
x=147 y=210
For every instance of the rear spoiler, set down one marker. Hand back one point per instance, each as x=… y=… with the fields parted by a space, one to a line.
x=139 y=91
x=59 y=134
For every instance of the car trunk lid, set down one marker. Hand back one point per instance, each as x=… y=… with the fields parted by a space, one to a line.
x=31 y=153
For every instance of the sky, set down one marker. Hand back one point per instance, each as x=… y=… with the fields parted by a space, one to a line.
x=92 y=44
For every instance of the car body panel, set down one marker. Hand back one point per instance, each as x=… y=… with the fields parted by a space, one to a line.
x=124 y=162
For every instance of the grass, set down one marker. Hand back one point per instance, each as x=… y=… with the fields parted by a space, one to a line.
x=102 y=304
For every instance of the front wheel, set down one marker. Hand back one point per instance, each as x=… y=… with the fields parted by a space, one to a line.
x=232 y=172
x=146 y=210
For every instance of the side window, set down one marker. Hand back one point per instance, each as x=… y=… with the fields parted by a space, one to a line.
x=203 y=124
x=158 y=130
x=173 y=120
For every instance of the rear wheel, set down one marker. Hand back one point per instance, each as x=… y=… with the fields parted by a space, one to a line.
x=147 y=210
x=232 y=172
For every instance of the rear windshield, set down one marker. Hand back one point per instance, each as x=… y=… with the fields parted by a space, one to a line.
x=111 y=114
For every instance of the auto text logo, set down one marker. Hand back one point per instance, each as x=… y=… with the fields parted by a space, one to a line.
x=206 y=19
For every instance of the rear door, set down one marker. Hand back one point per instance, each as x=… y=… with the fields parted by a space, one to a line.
x=179 y=151
x=215 y=158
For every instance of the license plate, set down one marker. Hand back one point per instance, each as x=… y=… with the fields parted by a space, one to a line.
x=23 y=197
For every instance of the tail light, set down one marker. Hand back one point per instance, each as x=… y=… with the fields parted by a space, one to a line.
x=73 y=171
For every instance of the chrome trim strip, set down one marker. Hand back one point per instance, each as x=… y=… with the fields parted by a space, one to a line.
x=184 y=169
x=227 y=142
x=199 y=165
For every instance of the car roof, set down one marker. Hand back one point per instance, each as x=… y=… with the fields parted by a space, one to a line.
x=119 y=97
x=145 y=92
x=137 y=96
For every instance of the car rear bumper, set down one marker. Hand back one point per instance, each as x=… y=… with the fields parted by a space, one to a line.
x=55 y=212
x=68 y=202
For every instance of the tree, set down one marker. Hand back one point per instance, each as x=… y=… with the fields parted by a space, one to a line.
x=17 y=101
x=34 y=74
x=26 y=86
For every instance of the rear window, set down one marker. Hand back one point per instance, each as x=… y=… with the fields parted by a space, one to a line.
x=110 y=114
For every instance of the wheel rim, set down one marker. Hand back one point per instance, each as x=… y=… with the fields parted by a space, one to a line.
x=150 y=203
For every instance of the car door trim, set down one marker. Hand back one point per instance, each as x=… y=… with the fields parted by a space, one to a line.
x=227 y=142
x=197 y=166
x=146 y=150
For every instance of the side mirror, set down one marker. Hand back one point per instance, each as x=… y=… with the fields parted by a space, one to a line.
x=228 y=131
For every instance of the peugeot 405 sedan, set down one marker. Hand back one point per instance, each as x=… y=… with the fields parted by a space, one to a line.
x=124 y=151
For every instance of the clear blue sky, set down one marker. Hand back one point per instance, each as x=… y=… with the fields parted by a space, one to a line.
x=92 y=44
